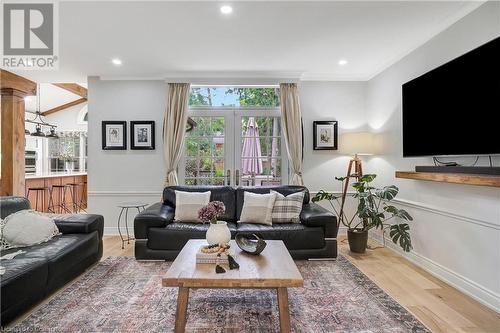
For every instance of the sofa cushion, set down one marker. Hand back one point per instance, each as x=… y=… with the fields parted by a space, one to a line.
x=24 y=279
x=226 y=194
x=285 y=190
x=9 y=205
x=175 y=235
x=287 y=208
x=26 y=228
x=296 y=236
x=64 y=253
x=257 y=208
x=187 y=205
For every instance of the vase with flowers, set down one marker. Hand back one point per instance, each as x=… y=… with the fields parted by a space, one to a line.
x=218 y=232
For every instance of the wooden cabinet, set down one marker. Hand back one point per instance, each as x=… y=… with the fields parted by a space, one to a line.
x=48 y=181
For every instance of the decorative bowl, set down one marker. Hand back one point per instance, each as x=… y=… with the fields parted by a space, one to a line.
x=250 y=243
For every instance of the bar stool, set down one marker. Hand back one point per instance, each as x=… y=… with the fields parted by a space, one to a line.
x=40 y=192
x=61 y=191
x=83 y=197
x=74 y=188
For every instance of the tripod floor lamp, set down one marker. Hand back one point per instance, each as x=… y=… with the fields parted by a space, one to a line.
x=356 y=144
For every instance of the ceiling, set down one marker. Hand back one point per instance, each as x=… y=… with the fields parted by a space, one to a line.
x=298 y=39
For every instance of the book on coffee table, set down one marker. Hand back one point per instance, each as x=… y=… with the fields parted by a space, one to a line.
x=210 y=258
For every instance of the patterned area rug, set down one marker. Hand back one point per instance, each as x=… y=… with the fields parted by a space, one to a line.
x=121 y=294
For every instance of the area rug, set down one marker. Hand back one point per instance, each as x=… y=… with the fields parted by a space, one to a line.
x=121 y=294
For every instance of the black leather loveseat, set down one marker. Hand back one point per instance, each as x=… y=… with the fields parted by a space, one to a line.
x=33 y=275
x=158 y=237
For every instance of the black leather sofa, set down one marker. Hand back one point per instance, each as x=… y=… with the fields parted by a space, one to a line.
x=33 y=275
x=158 y=237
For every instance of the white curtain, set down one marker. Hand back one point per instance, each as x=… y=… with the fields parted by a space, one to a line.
x=174 y=128
x=291 y=118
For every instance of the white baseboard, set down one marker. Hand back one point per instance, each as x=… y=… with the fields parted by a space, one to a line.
x=465 y=285
x=113 y=231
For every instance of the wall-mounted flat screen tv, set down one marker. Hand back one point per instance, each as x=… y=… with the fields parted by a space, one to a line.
x=455 y=109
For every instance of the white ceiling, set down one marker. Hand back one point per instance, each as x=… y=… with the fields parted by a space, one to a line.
x=296 y=39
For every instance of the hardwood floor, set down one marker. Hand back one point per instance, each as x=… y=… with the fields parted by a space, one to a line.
x=439 y=306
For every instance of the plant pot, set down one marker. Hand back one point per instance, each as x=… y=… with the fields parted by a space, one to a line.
x=358 y=240
x=218 y=233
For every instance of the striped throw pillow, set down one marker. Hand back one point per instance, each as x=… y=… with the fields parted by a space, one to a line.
x=187 y=205
x=287 y=209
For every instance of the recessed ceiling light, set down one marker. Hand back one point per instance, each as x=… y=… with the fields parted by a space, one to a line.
x=28 y=98
x=226 y=9
x=116 y=62
x=342 y=62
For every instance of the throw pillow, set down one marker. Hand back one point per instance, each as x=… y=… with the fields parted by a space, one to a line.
x=26 y=228
x=187 y=205
x=287 y=208
x=257 y=208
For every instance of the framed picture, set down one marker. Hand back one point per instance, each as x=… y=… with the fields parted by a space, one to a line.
x=325 y=135
x=114 y=135
x=142 y=135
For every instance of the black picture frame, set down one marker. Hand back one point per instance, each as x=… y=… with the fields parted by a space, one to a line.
x=120 y=135
x=330 y=129
x=148 y=136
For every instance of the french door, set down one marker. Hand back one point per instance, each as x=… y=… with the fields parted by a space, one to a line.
x=235 y=147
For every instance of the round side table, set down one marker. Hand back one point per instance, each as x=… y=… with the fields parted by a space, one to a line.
x=124 y=207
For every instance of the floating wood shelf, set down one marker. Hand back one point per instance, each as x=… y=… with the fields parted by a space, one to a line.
x=457 y=178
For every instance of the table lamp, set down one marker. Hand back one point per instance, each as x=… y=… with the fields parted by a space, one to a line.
x=356 y=144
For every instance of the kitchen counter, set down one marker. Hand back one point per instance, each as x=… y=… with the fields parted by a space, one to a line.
x=68 y=196
x=56 y=174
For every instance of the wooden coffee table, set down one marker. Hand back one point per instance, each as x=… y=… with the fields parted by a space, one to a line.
x=272 y=269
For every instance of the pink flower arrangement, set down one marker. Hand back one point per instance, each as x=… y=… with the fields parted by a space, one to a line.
x=211 y=212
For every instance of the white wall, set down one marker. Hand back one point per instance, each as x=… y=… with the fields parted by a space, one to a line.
x=456 y=233
x=341 y=101
x=116 y=176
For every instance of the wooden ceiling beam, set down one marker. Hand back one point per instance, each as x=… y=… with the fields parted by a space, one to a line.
x=23 y=86
x=74 y=88
x=64 y=106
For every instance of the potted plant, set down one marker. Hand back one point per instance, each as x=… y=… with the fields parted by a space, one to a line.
x=68 y=161
x=218 y=232
x=373 y=211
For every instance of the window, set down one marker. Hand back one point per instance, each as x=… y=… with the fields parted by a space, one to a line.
x=237 y=139
x=69 y=151
x=234 y=97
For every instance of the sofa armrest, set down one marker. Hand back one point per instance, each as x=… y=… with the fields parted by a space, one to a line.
x=313 y=215
x=80 y=224
x=156 y=215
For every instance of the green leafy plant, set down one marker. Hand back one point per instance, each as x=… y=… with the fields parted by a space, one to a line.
x=373 y=210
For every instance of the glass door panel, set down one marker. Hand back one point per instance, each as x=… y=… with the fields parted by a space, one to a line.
x=259 y=155
x=204 y=162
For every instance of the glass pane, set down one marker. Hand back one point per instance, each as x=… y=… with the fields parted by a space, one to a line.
x=191 y=147
x=192 y=167
x=234 y=96
x=205 y=152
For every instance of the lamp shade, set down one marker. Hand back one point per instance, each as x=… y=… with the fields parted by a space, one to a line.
x=360 y=143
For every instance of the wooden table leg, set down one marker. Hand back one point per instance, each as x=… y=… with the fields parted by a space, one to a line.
x=284 y=311
x=181 y=313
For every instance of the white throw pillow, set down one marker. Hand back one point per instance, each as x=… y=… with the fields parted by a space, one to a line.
x=257 y=208
x=287 y=209
x=26 y=228
x=187 y=205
